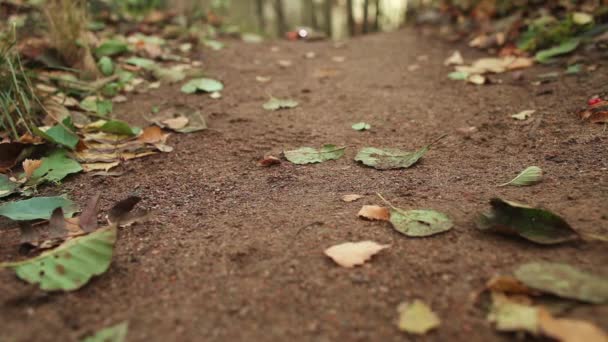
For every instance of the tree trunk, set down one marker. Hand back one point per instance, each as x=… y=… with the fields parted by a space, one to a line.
x=351 y=17
x=378 y=15
x=280 y=13
x=259 y=8
x=328 y=17
x=365 y=16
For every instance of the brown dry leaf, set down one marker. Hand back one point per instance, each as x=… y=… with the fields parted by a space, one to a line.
x=176 y=123
x=508 y=284
x=29 y=166
x=374 y=212
x=351 y=254
x=596 y=113
x=99 y=166
x=122 y=208
x=569 y=330
x=88 y=218
x=31 y=139
x=454 y=59
x=520 y=63
x=269 y=161
x=152 y=135
x=10 y=154
x=351 y=198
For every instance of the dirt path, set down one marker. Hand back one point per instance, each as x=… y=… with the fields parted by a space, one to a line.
x=234 y=252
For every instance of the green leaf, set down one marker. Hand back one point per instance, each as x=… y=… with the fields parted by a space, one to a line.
x=417 y=318
x=276 y=104
x=169 y=75
x=533 y=224
x=119 y=127
x=54 y=168
x=309 y=155
x=574 y=69
x=529 y=176
x=144 y=63
x=390 y=158
x=36 y=208
x=106 y=66
x=7 y=187
x=202 y=84
x=104 y=107
x=564 y=281
x=115 y=333
x=361 y=126
x=71 y=265
x=110 y=48
x=58 y=134
x=459 y=75
x=508 y=315
x=568 y=46
x=419 y=223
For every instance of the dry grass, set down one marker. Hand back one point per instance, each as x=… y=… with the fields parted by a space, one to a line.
x=67 y=23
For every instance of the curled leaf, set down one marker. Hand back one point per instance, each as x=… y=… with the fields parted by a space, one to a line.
x=386 y=159
x=351 y=254
x=533 y=224
x=207 y=85
x=374 y=212
x=115 y=333
x=529 y=176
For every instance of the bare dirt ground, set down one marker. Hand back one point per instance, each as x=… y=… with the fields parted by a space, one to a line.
x=235 y=251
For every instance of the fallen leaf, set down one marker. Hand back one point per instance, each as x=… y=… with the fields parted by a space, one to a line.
x=351 y=198
x=276 y=104
x=176 y=123
x=36 y=208
x=531 y=175
x=417 y=318
x=309 y=155
x=71 y=265
x=29 y=166
x=597 y=112
x=284 y=63
x=207 y=85
x=581 y=18
x=476 y=79
x=564 y=281
x=152 y=135
x=120 y=211
x=508 y=315
x=144 y=63
x=88 y=218
x=566 y=47
x=508 y=285
x=350 y=254
x=419 y=223
x=374 y=212
x=263 y=79
x=62 y=134
x=54 y=168
x=361 y=126
x=338 y=59
x=115 y=333
x=454 y=59
x=459 y=75
x=523 y=115
x=390 y=158
x=7 y=187
x=181 y=119
x=89 y=167
x=570 y=330
x=533 y=224
x=269 y=161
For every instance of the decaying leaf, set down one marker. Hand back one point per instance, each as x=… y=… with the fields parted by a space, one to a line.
x=54 y=168
x=564 y=281
x=417 y=318
x=596 y=112
x=276 y=104
x=531 y=175
x=566 y=47
x=122 y=213
x=523 y=115
x=115 y=333
x=391 y=158
x=269 y=161
x=36 y=208
x=351 y=254
x=454 y=59
x=351 y=198
x=12 y=153
x=419 y=223
x=374 y=212
x=309 y=155
x=29 y=166
x=534 y=224
x=569 y=330
x=7 y=187
x=509 y=315
x=182 y=119
x=71 y=265
x=508 y=285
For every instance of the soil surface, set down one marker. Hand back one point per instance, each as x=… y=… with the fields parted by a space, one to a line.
x=234 y=251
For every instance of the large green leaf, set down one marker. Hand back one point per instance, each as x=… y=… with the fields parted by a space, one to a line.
x=7 y=187
x=568 y=46
x=110 y=48
x=309 y=155
x=54 y=168
x=534 y=224
x=564 y=281
x=115 y=333
x=119 y=127
x=420 y=223
x=62 y=134
x=36 y=208
x=202 y=84
x=391 y=158
x=71 y=265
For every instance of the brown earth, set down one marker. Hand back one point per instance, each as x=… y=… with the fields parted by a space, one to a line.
x=235 y=251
